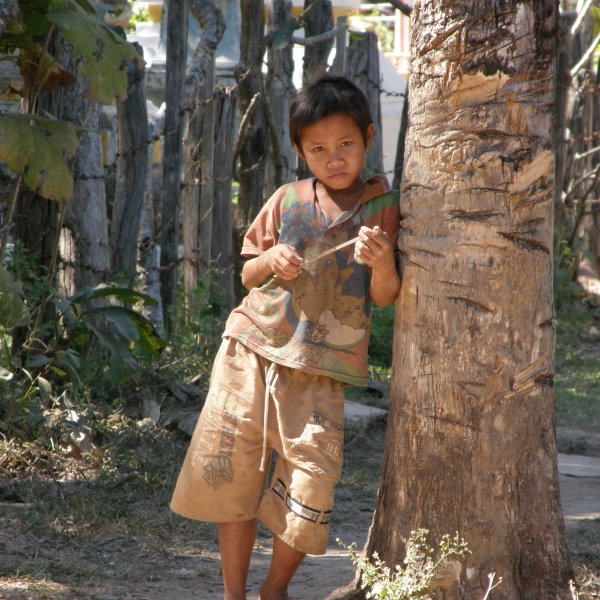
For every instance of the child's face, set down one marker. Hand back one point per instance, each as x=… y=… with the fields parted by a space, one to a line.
x=334 y=150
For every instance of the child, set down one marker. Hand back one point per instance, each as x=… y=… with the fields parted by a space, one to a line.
x=299 y=335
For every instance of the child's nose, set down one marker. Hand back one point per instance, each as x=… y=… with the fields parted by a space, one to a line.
x=335 y=158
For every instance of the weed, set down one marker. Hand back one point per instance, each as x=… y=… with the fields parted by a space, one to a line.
x=412 y=580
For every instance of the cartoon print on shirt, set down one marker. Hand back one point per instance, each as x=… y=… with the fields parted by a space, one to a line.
x=341 y=323
x=330 y=310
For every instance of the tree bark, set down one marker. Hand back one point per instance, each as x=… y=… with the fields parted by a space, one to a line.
x=470 y=445
x=222 y=238
x=362 y=66
x=132 y=165
x=177 y=20
x=280 y=88
x=339 y=61
x=578 y=133
x=319 y=20
x=563 y=79
x=254 y=146
x=148 y=248
x=401 y=145
x=84 y=239
x=198 y=189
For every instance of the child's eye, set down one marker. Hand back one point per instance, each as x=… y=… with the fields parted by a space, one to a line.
x=318 y=149
x=346 y=143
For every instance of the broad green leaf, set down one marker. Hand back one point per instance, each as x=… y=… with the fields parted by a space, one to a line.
x=102 y=51
x=12 y=308
x=17 y=144
x=48 y=174
x=356 y=35
x=284 y=34
x=36 y=22
x=119 y=319
x=45 y=388
x=149 y=341
x=122 y=362
x=65 y=308
x=41 y=149
x=63 y=134
x=69 y=361
x=37 y=360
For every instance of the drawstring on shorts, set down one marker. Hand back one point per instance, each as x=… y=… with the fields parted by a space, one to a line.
x=269 y=390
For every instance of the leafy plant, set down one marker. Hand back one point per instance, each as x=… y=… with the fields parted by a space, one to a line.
x=38 y=148
x=412 y=580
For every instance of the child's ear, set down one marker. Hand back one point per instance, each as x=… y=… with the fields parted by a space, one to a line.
x=370 y=134
x=298 y=152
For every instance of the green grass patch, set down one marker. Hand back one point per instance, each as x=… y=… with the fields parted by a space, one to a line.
x=577 y=377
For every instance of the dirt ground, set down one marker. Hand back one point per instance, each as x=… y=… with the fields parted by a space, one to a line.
x=169 y=558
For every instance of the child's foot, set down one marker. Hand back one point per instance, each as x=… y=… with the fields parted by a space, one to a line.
x=266 y=594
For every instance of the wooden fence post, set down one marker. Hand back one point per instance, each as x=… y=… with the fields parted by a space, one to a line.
x=225 y=102
x=132 y=164
x=177 y=27
x=362 y=66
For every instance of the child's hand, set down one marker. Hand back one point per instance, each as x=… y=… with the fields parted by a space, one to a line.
x=284 y=261
x=375 y=248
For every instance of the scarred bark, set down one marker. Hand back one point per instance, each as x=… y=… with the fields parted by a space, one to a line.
x=470 y=446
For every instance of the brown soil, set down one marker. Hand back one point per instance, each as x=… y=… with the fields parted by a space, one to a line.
x=173 y=559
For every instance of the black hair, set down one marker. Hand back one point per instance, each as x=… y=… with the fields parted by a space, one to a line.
x=328 y=95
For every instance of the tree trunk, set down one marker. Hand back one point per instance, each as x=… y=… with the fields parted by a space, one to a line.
x=470 y=445
x=576 y=185
x=148 y=248
x=177 y=20
x=198 y=189
x=222 y=238
x=401 y=145
x=254 y=147
x=132 y=165
x=319 y=20
x=339 y=62
x=280 y=88
x=362 y=66
x=563 y=79
x=84 y=238
x=314 y=62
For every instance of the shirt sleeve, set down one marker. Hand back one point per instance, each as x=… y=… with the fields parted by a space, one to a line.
x=264 y=231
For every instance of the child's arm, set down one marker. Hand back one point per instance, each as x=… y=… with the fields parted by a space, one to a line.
x=377 y=252
x=281 y=260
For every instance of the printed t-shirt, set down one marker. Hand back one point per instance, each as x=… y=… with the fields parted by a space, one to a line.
x=320 y=321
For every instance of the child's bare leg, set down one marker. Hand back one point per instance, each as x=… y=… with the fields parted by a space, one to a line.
x=284 y=562
x=236 y=541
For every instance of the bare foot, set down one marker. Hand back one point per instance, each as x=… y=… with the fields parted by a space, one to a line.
x=273 y=594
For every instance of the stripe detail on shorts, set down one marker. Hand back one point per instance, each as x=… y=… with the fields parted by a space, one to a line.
x=306 y=512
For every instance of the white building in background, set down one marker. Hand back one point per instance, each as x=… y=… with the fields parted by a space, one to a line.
x=393 y=65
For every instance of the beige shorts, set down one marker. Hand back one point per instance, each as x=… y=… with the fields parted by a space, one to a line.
x=221 y=480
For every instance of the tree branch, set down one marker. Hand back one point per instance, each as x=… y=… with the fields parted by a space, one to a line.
x=244 y=123
x=403 y=7
x=586 y=57
x=317 y=39
x=211 y=21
